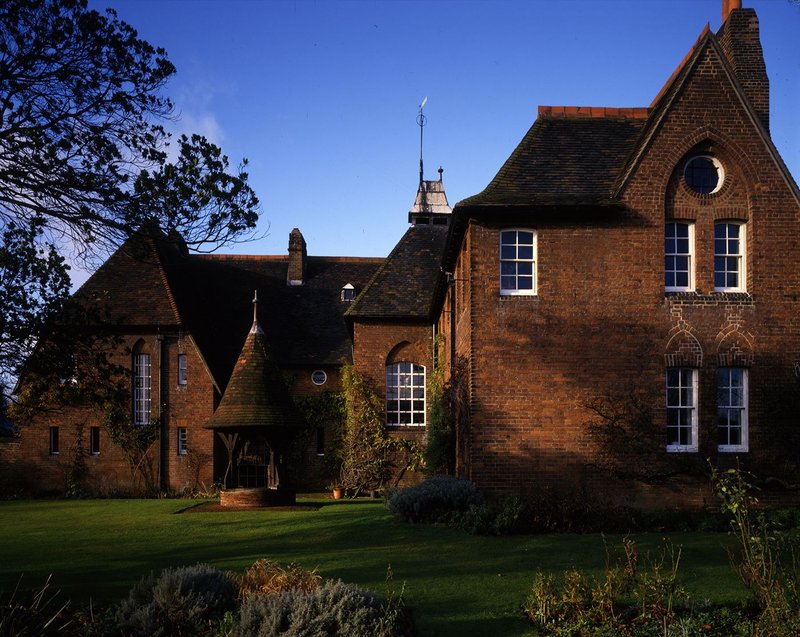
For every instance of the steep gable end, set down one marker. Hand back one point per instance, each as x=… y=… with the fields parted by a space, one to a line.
x=704 y=90
x=132 y=287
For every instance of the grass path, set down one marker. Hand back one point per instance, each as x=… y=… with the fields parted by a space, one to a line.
x=458 y=584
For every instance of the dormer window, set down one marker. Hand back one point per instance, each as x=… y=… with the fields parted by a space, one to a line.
x=348 y=293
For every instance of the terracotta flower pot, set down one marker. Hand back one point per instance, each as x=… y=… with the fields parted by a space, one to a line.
x=338 y=493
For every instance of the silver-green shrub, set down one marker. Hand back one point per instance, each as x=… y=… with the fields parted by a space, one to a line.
x=181 y=601
x=334 y=608
x=433 y=499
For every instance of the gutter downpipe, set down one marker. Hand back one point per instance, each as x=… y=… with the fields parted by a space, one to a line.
x=162 y=415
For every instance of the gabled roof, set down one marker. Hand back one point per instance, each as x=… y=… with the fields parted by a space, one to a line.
x=151 y=284
x=584 y=156
x=405 y=286
x=570 y=156
x=304 y=325
x=132 y=284
x=671 y=91
x=256 y=396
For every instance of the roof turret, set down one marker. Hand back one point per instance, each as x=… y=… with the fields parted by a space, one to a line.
x=256 y=395
x=430 y=205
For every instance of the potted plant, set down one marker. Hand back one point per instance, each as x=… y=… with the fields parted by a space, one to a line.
x=337 y=490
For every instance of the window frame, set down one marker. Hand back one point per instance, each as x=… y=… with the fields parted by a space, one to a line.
x=182 y=440
x=142 y=393
x=517 y=291
x=183 y=369
x=743 y=411
x=54 y=442
x=740 y=256
x=690 y=255
x=699 y=189
x=398 y=392
x=94 y=441
x=693 y=445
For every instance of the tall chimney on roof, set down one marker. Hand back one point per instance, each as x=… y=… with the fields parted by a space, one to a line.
x=295 y=274
x=739 y=38
x=728 y=6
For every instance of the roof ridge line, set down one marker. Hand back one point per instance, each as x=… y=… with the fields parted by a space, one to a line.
x=706 y=30
x=632 y=112
x=165 y=280
x=659 y=108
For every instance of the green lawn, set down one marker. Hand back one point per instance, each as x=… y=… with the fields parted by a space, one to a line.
x=457 y=584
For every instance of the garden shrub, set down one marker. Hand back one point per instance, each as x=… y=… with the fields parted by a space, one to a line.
x=267 y=577
x=333 y=608
x=766 y=559
x=582 y=605
x=433 y=499
x=508 y=516
x=181 y=601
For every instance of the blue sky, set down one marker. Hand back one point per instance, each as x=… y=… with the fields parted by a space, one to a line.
x=322 y=96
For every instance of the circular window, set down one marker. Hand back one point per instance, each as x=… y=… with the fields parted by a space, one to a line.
x=704 y=174
x=319 y=377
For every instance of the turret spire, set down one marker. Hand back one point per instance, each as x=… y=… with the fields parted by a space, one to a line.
x=421 y=120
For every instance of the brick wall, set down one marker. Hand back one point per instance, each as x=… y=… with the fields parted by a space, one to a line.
x=601 y=323
x=187 y=406
x=377 y=344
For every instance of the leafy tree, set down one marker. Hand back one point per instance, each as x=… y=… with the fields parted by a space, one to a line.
x=84 y=159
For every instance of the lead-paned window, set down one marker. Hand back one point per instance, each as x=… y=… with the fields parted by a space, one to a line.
x=732 y=409
x=681 y=409
x=678 y=256
x=518 y=262
x=182 y=369
x=141 y=389
x=405 y=395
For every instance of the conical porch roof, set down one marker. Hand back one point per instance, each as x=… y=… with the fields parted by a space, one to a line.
x=256 y=396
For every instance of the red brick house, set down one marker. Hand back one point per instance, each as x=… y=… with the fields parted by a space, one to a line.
x=623 y=294
x=625 y=290
x=181 y=321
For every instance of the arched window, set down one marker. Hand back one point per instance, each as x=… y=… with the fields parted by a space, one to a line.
x=405 y=395
x=141 y=386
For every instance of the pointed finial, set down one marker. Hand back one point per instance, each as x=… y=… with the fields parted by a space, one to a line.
x=441 y=171
x=256 y=327
x=421 y=120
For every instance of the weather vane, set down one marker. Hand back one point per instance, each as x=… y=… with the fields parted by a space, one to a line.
x=421 y=120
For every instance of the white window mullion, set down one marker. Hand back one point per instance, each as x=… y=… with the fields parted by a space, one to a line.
x=681 y=406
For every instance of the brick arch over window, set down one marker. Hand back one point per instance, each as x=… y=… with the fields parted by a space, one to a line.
x=415 y=351
x=683 y=349
x=734 y=348
x=707 y=139
x=399 y=352
x=731 y=201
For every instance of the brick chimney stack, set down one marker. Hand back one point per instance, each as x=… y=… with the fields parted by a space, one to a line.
x=739 y=38
x=295 y=274
x=728 y=6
